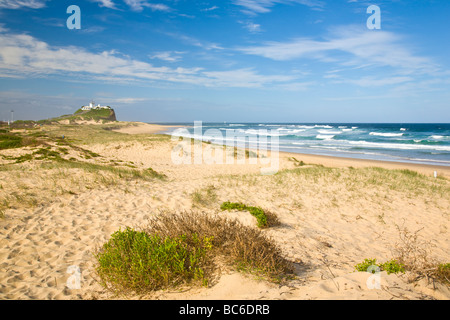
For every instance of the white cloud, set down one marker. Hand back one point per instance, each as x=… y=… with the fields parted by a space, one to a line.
x=138 y=5
x=211 y=8
x=253 y=27
x=106 y=3
x=24 y=55
x=377 y=82
x=168 y=56
x=16 y=4
x=349 y=47
x=263 y=6
x=243 y=78
x=157 y=6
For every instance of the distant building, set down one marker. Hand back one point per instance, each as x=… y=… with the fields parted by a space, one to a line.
x=92 y=106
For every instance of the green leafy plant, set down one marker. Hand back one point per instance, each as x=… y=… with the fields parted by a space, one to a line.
x=391 y=266
x=364 y=266
x=139 y=261
x=257 y=212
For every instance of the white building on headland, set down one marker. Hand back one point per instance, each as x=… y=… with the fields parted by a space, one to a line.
x=92 y=106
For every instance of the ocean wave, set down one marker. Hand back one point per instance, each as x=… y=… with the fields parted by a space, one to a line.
x=329 y=132
x=398 y=146
x=439 y=137
x=382 y=134
x=325 y=136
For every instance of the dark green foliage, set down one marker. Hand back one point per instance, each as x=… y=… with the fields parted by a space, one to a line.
x=141 y=262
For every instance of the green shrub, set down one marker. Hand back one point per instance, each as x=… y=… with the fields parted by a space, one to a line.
x=176 y=249
x=364 y=266
x=264 y=219
x=243 y=247
x=392 y=266
x=442 y=273
x=141 y=262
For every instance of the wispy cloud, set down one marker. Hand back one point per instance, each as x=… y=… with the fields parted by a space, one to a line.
x=106 y=3
x=348 y=46
x=252 y=27
x=135 y=5
x=254 y=7
x=24 y=55
x=17 y=4
x=169 y=56
x=138 y=5
x=210 y=8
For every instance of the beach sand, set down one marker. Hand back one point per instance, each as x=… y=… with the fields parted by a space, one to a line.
x=332 y=218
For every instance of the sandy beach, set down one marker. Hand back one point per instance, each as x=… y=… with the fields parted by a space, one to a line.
x=334 y=213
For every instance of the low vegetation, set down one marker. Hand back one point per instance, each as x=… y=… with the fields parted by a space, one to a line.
x=264 y=218
x=205 y=197
x=175 y=249
x=138 y=261
x=371 y=265
x=58 y=153
x=412 y=256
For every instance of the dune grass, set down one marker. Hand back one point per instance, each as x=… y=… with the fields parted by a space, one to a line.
x=50 y=154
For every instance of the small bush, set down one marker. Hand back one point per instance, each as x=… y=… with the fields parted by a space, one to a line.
x=264 y=219
x=364 y=266
x=442 y=273
x=243 y=247
x=177 y=249
x=141 y=262
x=371 y=265
x=392 y=266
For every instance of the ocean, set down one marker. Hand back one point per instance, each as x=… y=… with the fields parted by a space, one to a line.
x=412 y=143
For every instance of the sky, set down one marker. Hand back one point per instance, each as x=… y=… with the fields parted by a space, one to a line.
x=236 y=61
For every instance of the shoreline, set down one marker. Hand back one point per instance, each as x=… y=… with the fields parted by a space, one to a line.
x=326 y=160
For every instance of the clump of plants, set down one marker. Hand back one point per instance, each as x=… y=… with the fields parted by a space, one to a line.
x=412 y=255
x=371 y=265
x=175 y=249
x=139 y=261
x=264 y=218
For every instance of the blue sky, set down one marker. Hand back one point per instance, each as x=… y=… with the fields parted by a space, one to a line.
x=234 y=61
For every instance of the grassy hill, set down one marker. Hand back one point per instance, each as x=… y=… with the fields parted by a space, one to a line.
x=101 y=116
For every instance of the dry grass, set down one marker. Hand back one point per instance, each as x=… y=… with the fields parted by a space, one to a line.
x=415 y=254
x=242 y=247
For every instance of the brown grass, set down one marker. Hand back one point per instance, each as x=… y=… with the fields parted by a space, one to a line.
x=242 y=247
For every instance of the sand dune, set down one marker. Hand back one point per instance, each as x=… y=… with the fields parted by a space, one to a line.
x=329 y=223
